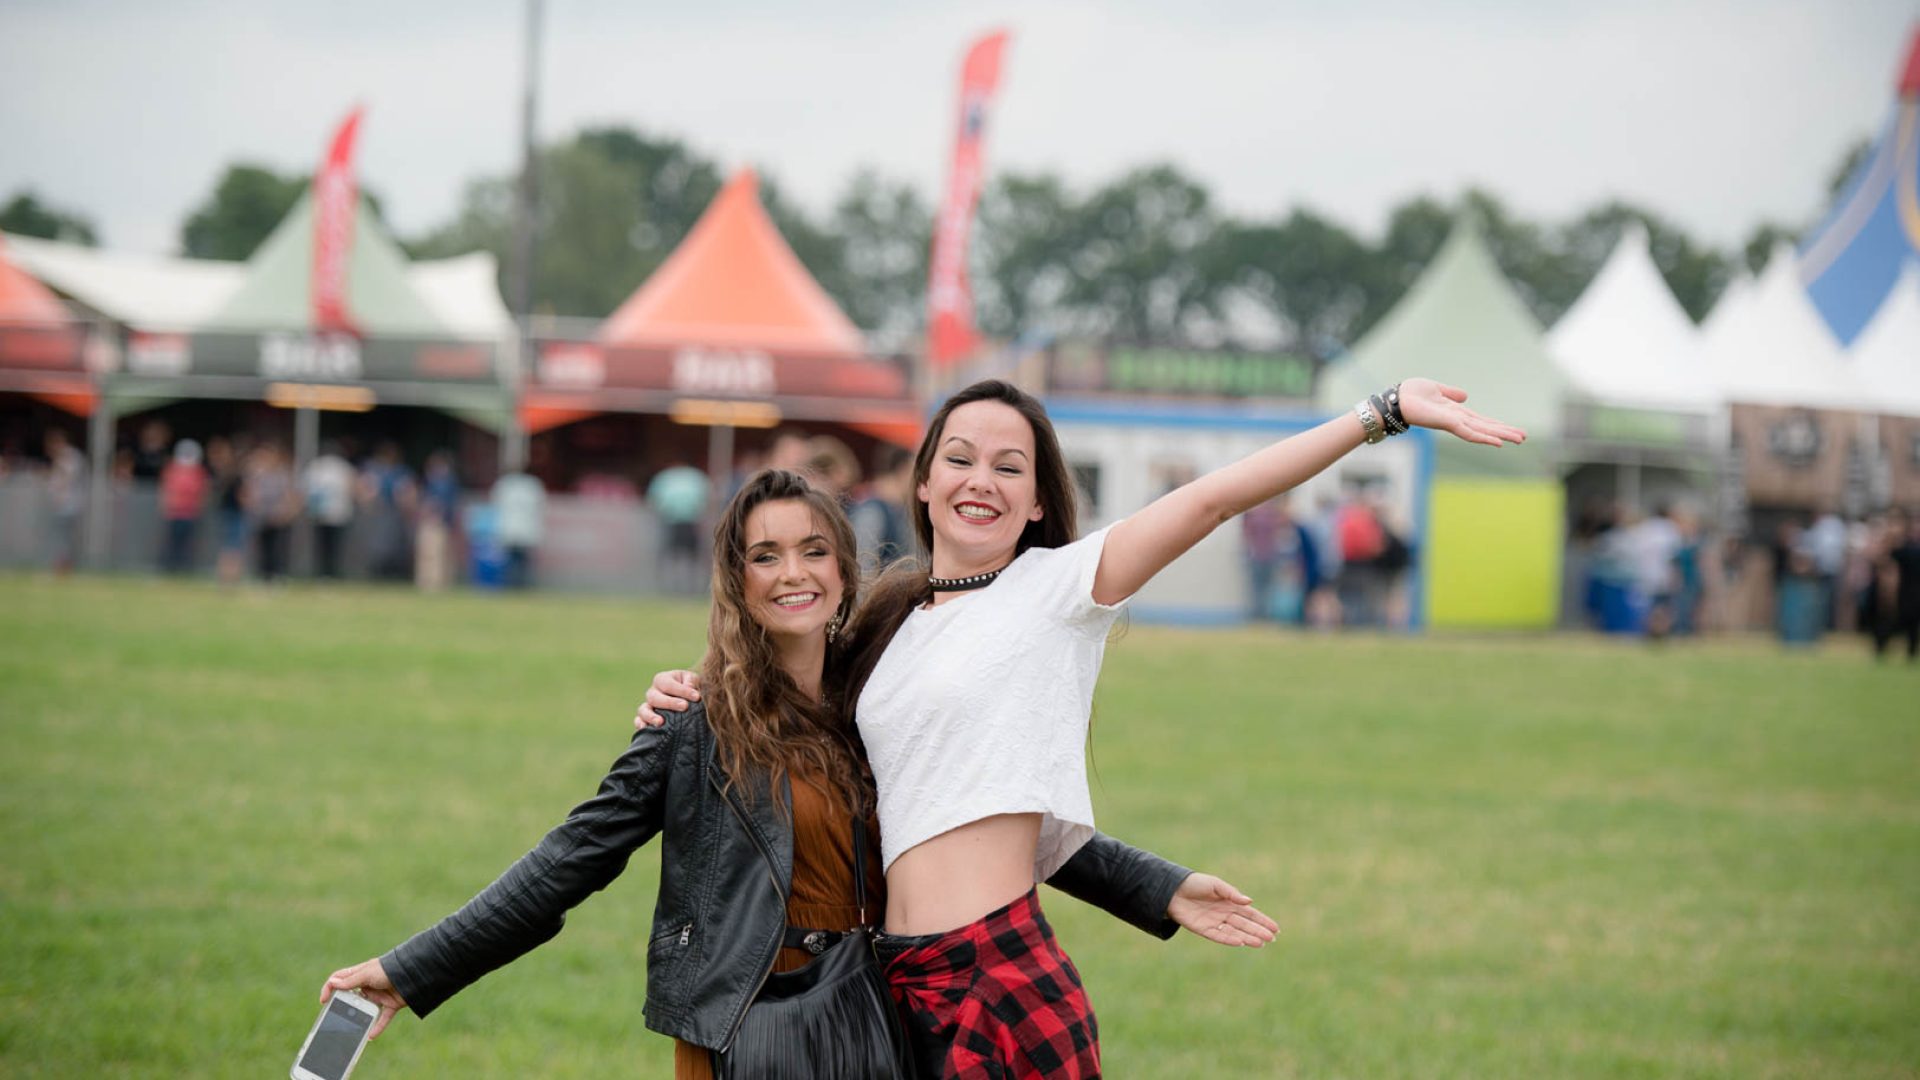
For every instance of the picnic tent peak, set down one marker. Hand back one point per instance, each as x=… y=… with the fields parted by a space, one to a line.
x=1460 y=323
x=1886 y=355
x=276 y=292
x=734 y=283
x=1773 y=348
x=1627 y=341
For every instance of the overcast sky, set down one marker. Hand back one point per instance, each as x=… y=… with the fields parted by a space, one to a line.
x=1717 y=113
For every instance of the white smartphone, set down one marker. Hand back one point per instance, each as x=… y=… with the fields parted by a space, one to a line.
x=334 y=1044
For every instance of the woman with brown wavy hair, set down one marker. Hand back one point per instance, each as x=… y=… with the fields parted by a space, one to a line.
x=755 y=792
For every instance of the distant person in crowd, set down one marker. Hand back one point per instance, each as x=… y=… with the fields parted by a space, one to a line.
x=1653 y=548
x=66 y=499
x=1611 y=568
x=1323 y=526
x=789 y=450
x=1689 y=572
x=519 y=507
x=152 y=451
x=388 y=498
x=1364 y=579
x=183 y=496
x=439 y=523
x=832 y=467
x=225 y=463
x=272 y=506
x=881 y=527
x=1799 y=618
x=1826 y=544
x=1282 y=563
x=1891 y=606
x=678 y=496
x=329 y=482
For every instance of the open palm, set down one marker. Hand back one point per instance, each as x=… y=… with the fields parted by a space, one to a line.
x=1429 y=404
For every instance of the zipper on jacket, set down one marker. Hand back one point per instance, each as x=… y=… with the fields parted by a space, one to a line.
x=685 y=933
x=779 y=931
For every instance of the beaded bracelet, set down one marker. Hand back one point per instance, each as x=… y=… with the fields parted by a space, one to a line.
x=1395 y=420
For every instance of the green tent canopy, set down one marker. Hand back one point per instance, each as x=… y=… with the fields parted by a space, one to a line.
x=276 y=294
x=1461 y=323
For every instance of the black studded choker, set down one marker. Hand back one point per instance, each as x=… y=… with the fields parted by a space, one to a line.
x=963 y=584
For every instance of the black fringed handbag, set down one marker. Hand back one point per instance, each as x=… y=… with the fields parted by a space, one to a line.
x=830 y=1020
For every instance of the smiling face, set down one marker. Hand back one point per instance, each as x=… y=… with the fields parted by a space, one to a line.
x=980 y=489
x=792 y=582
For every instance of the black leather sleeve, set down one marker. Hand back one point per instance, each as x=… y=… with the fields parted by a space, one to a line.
x=527 y=905
x=1124 y=881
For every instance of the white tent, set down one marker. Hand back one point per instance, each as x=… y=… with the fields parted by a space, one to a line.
x=164 y=293
x=1886 y=355
x=1733 y=299
x=152 y=292
x=1628 y=342
x=1773 y=348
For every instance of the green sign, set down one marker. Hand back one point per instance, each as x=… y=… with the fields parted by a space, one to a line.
x=1218 y=374
x=1610 y=424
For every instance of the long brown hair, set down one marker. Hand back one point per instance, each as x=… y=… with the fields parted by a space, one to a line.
x=760 y=718
x=903 y=586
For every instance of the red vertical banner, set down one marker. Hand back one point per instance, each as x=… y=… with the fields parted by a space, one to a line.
x=950 y=332
x=336 y=199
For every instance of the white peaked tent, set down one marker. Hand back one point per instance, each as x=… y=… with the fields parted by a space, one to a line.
x=1771 y=347
x=1733 y=299
x=1628 y=342
x=1886 y=355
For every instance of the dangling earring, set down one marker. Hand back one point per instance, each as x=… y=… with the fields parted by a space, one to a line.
x=833 y=625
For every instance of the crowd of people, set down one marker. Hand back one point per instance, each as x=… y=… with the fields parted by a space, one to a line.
x=1345 y=564
x=235 y=502
x=1663 y=574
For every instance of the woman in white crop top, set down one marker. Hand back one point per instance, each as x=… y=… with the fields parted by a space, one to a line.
x=973 y=688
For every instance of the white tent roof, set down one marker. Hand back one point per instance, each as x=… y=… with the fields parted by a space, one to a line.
x=1627 y=341
x=1886 y=355
x=1773 y=348
x=463 y=292
x=150 y=292
x=1735 y=297
x=159 y=292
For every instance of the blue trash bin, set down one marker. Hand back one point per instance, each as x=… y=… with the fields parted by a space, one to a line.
x=486 y=557
x=1802 y=610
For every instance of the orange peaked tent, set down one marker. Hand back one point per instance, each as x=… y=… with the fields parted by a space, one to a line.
x=734 y=283
x=731 y=315
x=41 y=346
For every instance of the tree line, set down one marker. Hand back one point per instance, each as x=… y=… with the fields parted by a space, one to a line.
x=1147 y=257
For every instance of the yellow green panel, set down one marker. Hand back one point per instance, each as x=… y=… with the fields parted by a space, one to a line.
x=1495 y=558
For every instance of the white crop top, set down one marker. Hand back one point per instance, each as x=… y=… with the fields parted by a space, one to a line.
x=979 y=706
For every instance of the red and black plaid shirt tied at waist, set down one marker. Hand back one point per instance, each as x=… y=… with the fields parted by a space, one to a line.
x=994 y=1000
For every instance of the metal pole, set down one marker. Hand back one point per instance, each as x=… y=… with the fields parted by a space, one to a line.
x=99 y=524
x=513 y=441
x=720 y=458
x=306 y=447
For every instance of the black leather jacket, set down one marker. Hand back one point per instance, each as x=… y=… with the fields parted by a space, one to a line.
x=726 y=865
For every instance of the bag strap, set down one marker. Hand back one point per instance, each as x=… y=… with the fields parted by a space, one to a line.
x=860 y=865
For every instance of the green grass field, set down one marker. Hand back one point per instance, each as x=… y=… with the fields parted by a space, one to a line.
x=1490 y=857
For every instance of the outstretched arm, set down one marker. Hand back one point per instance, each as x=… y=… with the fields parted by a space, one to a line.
x=1158 y=896
x=1143 y=544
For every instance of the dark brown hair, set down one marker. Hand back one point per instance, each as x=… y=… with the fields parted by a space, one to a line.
x=903 y=586
x=760 y=718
